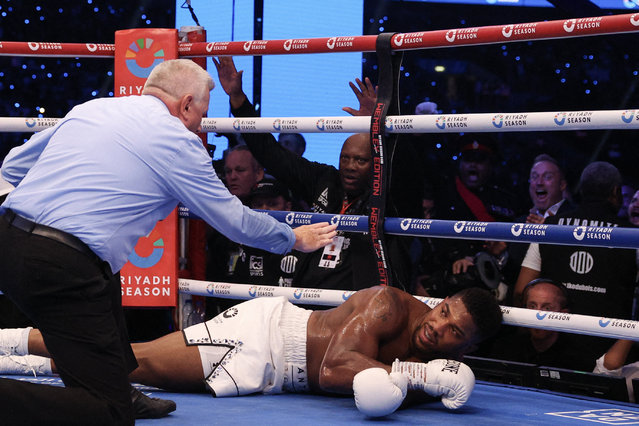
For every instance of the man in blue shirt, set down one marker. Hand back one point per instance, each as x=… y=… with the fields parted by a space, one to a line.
x=86 y=190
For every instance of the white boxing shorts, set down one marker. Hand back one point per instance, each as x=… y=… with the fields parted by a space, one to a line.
x=256 y=346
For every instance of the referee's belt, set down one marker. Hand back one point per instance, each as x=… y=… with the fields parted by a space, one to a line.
x=62 y=237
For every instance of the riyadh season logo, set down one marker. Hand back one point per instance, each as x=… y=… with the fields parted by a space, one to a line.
x=295 y=44
x=320 y=125
x=91 y=47
x=217 y=46
x=335 y=220
x=507 y=31
x=516 y=229
x=569 y=25
x=297 y=293
x=44 y=46
x=252 y=291
x=498 y=120
x=440 y=122
x=560 y=118
x=247 y=46
x=388 y=123
x=450 y=35
x=604 y=322
x=634 y=18
x=541 y=315
x=398 y=39
x=552 y=316
x=30 y=122
x=458 y=227
x=579 y=233
x=347 y=294
x=405 y=224
x=290 y=218
x=236 y=124
x=154 y=257
x=142 y=51
x=627 y=116
x=277 y=124
x=210 y=289
x=330 y=43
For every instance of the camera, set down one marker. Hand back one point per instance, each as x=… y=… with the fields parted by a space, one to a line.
x=484 y=273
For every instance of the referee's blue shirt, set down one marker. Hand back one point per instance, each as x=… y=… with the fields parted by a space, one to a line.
x=110 y=169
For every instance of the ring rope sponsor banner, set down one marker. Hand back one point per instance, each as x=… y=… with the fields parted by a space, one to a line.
x=492 y=34
x=557 y=321
x=623 y=119
x=58 y=50
x=149 y=278
x=580 y=234
x=248 y=291
x=382 y=147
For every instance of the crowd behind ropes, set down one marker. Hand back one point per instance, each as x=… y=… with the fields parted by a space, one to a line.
x=270 y=172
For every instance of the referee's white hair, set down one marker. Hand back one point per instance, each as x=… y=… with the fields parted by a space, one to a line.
x=178 y=77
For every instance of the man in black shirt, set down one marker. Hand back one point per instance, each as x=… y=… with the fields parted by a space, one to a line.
x=600 y=280
x=543 y=347
x=350 y=262
x=254 y=266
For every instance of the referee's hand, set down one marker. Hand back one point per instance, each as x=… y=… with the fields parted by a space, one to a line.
x=309 y=238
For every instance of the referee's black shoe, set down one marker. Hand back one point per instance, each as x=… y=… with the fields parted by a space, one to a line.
x=150 y=408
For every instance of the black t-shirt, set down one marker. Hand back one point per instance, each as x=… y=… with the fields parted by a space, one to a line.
x=600 y=280
x=568 y=351
x=319 y=186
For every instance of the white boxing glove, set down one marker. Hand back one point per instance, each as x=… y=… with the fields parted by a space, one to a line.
x=378 y=393
x=452 y=380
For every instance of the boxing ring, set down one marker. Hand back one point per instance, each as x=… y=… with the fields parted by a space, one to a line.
x=490 y=403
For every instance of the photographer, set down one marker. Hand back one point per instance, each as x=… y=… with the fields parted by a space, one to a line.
x=472 y=195
x=482 y=270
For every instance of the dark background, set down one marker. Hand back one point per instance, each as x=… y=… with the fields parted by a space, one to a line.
x=591 y=73
x=513 y=77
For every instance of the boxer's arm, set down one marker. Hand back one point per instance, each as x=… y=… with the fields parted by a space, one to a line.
x=377 y=315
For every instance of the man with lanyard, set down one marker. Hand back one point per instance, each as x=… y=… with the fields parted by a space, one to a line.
x=348 y=263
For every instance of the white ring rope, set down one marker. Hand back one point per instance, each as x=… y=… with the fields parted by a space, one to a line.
x=557 y=321
x=444 y=123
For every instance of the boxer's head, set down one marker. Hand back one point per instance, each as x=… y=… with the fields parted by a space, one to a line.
x=457 y=324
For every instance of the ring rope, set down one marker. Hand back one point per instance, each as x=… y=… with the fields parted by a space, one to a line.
x=556 y=321
x=492 y=34
x=472 y=230
x=622 y=119
x=581 y=234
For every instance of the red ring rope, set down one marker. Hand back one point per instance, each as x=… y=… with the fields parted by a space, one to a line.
x=566 y=28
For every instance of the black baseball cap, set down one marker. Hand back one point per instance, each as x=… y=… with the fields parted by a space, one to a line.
x=269 y=187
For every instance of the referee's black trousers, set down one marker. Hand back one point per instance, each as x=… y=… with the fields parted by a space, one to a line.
x=75 y=301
